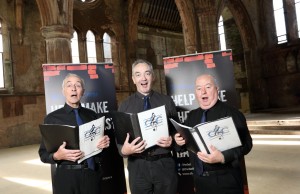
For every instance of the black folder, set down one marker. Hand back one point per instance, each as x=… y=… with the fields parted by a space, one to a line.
x=125 y=123
x=221 y=133
x=54 y=135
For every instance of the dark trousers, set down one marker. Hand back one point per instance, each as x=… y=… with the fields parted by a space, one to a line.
x=148 y=177
x=226 y=183
x=77 y=181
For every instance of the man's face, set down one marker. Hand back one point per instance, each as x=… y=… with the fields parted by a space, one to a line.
x=206 y=91
x=143 y=78
x=73 y=91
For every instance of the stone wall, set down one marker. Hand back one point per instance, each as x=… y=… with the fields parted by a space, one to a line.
x=22 y=104
x=154 y=45
x=20 y=117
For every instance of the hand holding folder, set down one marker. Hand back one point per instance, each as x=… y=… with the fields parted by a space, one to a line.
x=84 y=137
x=221 y=133
x=150 y=125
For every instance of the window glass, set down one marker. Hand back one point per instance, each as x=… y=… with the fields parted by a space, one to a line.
x=91 y=47
x=221 y=34
x=297 y=7
x=1 y=59
x=74 y=48
x=279 y=21
x=107 y=48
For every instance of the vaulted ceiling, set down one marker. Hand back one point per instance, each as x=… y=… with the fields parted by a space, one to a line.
x=162 y=14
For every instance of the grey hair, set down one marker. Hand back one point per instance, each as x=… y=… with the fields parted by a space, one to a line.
x=138 y=61
x=213 y=78
x=73 y=75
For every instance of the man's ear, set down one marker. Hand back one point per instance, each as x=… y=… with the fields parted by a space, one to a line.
x=133 y=79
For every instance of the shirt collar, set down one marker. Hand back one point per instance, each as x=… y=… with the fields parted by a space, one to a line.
x=214 y=107
x=69 y=108
x=139 y=95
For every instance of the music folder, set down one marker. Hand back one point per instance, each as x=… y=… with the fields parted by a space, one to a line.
x=150 y=125
x=220 y=133
x=85 y=137
x=54 y=135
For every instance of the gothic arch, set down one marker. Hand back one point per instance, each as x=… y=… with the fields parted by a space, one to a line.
x=55 y=12
x=187 y=15
x=57 y=28
x=244 y=24
x=256 y=83
x=134 y=8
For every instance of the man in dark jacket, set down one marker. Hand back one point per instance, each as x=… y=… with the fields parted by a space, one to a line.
x=70 y=177
x=152 y=170
x=217 y=172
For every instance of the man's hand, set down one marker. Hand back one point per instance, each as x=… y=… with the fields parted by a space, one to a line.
x=164 y=142
x=214 y=157
x=103 y=142
x=179 y=139
x=133 y=148
x=65 y=154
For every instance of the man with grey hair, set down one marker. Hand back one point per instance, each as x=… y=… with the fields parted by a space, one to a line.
x=217 y=172
x=152 y=170
x=71 y=177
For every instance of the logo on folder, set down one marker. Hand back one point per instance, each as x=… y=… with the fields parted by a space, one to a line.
x=218 y=132
x=153 y=122
x=92 y=133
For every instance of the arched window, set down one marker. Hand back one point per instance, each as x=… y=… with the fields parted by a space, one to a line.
x=297 y=7
x=221 y=34
x=91 y=47
x=1 y=58
x=107 y=48
x=279 y=21
x=74 y=48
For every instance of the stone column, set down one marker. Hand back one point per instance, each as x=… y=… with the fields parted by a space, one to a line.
x=82 y=48
x=99 y=48
x=290 y=20
x=189 y=26
x=208 y=25
x=58 y=44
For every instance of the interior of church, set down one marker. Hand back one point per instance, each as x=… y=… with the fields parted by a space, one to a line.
x=263 y=36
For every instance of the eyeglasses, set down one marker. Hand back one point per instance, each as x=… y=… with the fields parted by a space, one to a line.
x=77 y=85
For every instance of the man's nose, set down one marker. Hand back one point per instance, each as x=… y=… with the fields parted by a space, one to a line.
x=144 y=76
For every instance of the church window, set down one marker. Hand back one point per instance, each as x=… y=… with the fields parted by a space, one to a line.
x=221 y=34
x=297 y=7
x=279 y=21
x=1 y=59
x=107 y=48
x=91 y=47
x=74 y=48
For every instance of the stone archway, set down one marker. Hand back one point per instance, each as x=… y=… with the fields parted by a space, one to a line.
x=187 y=15
x=57 y=22
x=256 y=85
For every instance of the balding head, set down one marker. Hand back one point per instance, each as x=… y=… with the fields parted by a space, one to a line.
x=206 y=91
